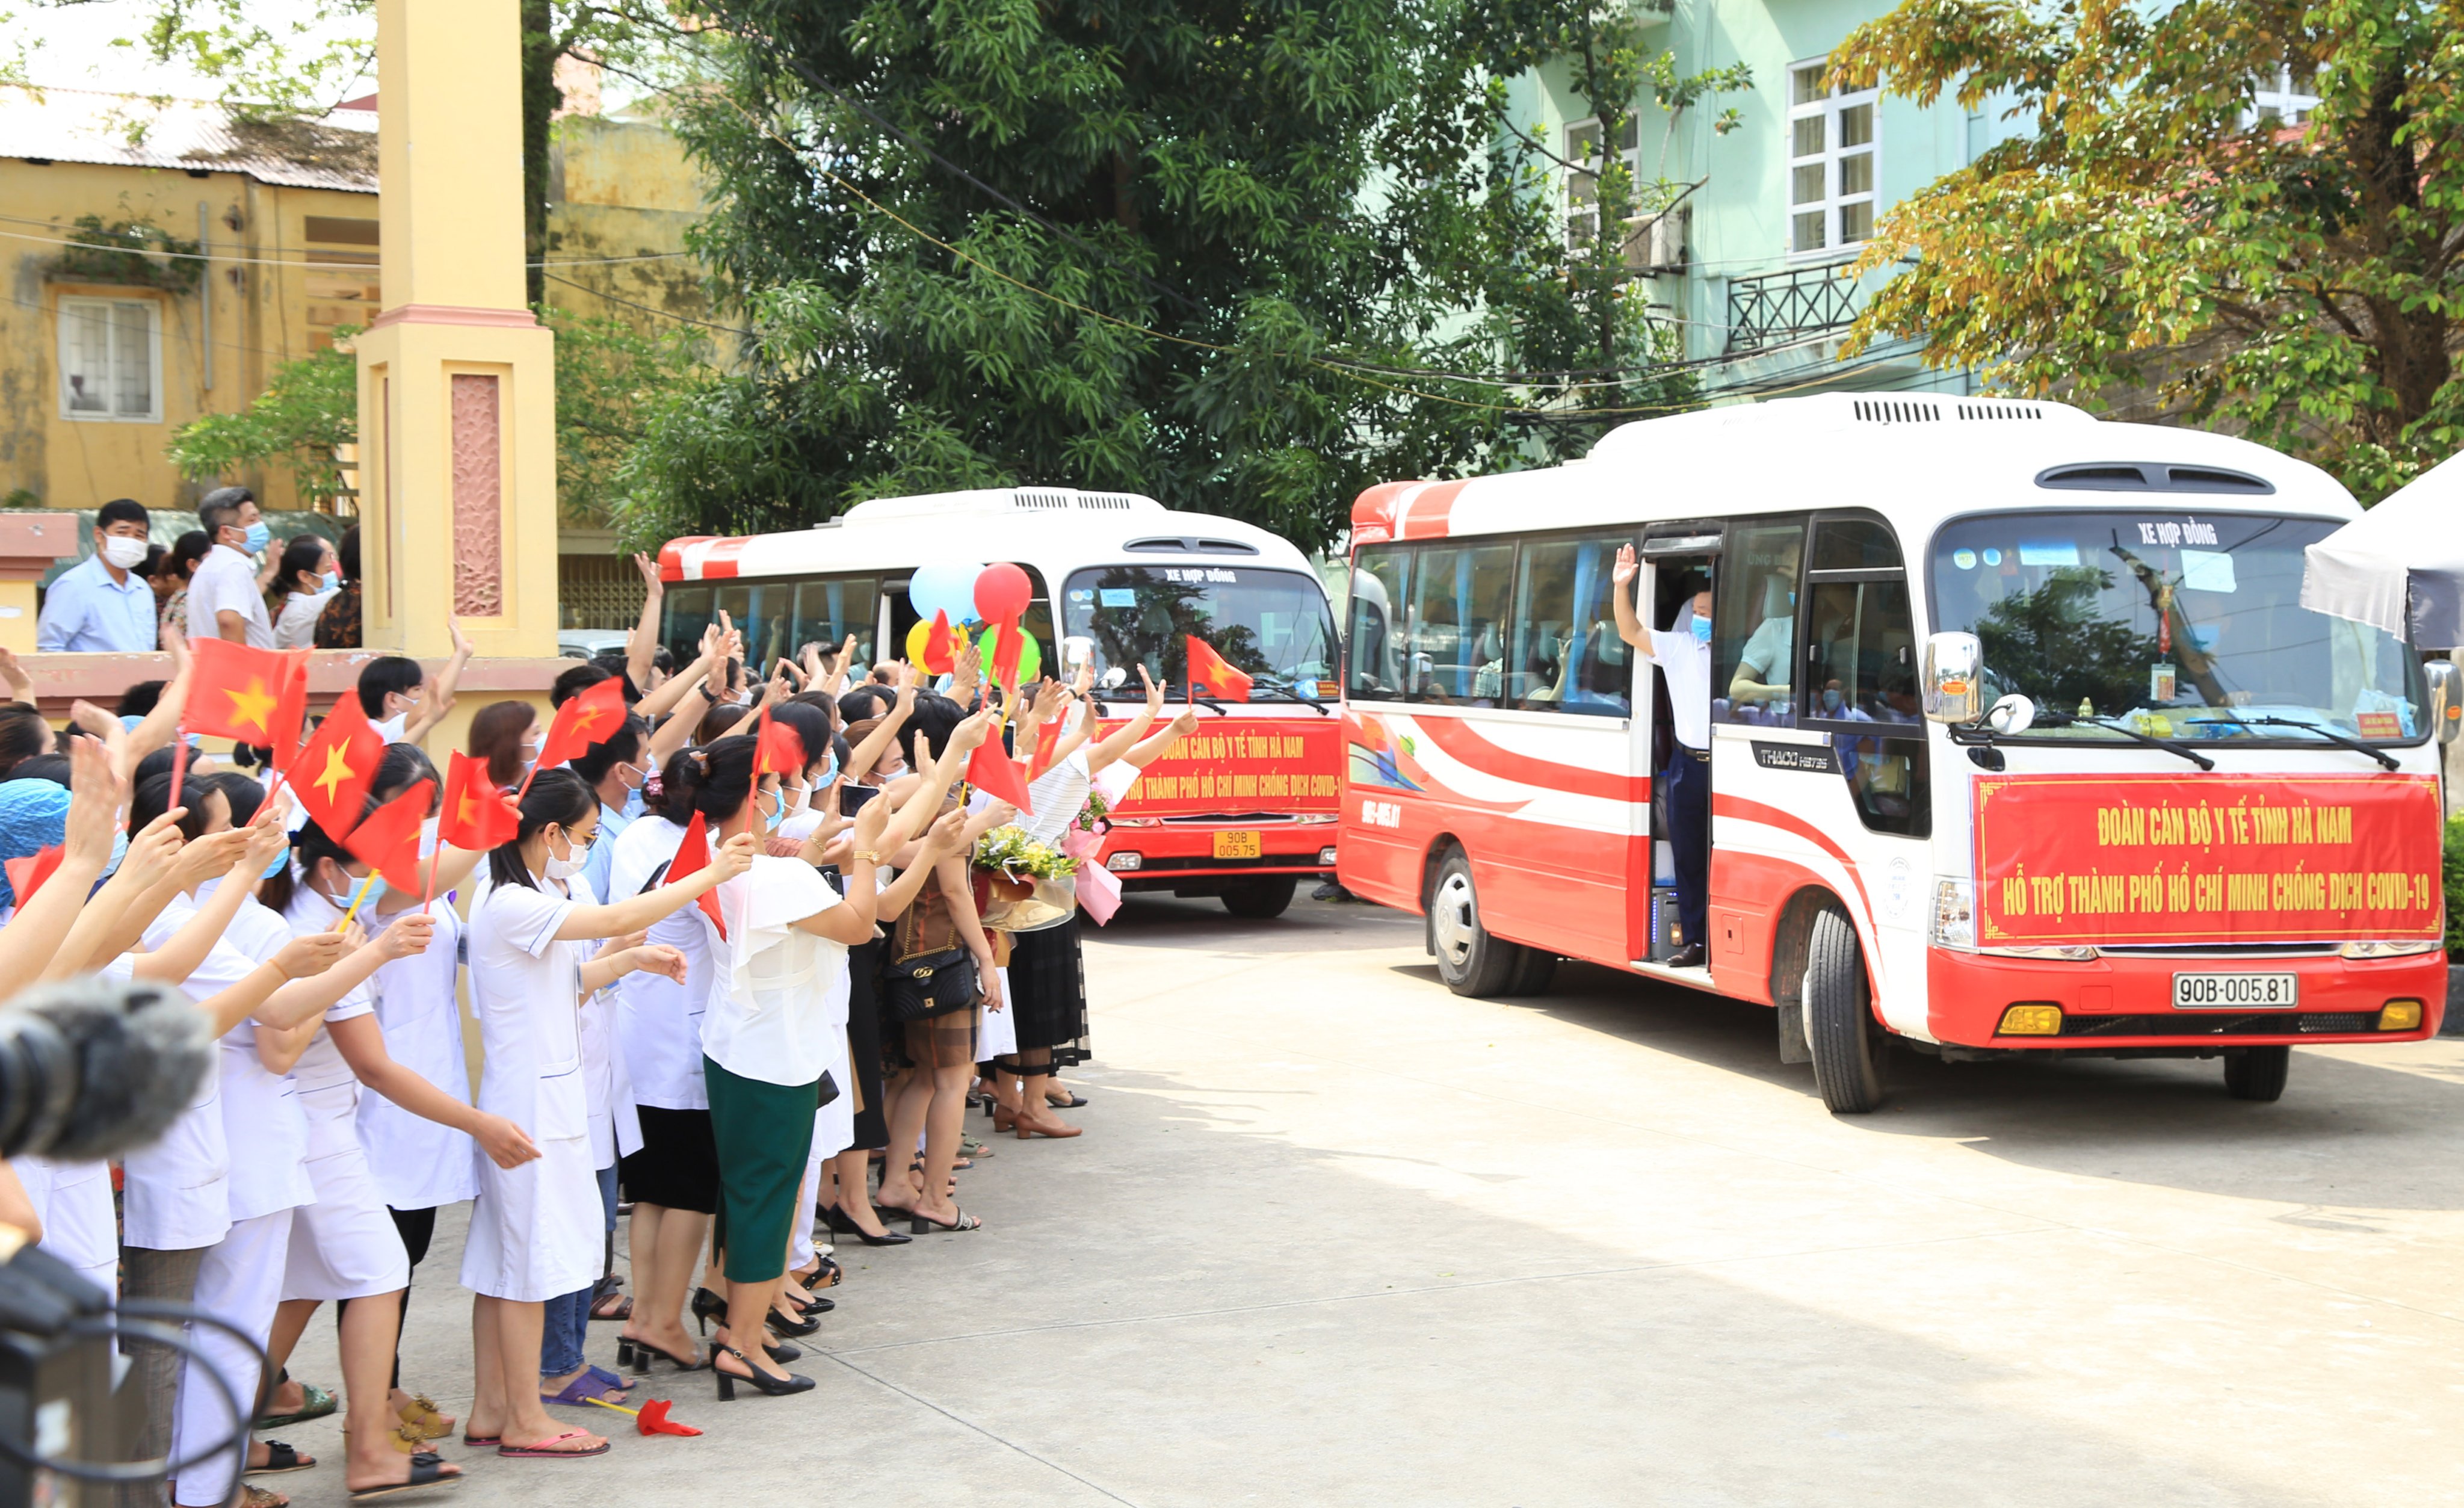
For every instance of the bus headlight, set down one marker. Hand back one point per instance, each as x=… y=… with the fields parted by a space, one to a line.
x=2032 y=1020
x=2388 y=949
x=2401 y=1015
x=1121 y=863
x=1954 y=915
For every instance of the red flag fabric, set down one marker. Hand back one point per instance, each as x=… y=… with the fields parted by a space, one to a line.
x=389 y=841
x=693 y=854
x=1214 y=672
x=1006 y=651
x=477 y=816
x=26 y=875
x=582 y=722
x=335 y=767
x=236 y=692
x=991 y=770
x=1046 y=738
x=940 y=646
x=291 y=713
x=781 y=750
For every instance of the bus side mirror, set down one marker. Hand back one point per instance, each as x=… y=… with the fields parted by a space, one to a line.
x=1954 y=681
x=2446 y=698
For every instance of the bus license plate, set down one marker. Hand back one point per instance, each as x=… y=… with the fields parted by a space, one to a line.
x=1239 y=845
x=2236 y=991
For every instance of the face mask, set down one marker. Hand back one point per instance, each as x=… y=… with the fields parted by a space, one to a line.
x=1831 y=700
x=1701 y=631
x=792 y=798
x=126 y=554
x=771 y=818
x=390 y=729
x=330 y=581
x=567 y=868
x=258 y=537
x=351 y=887
x=829 y=772
x=280 y=862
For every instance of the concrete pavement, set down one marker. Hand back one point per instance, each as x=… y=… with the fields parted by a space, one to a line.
x=1335 y=1235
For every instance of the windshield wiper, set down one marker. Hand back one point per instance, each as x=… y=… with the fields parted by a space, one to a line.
x=2384 y=758
x=2069 y=718
x=1207 y=702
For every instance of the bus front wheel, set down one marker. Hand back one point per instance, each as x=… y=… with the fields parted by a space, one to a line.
x=1848 y=1046
x=1469 y=959
x=1260 y=899
x=2257 y=1073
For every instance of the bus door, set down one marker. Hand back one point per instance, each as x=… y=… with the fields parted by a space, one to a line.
x=1679 y=561
x=1818 y=770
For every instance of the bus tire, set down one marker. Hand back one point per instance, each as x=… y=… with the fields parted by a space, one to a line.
x=1469 y=959
x=2257 y=1073
x=1840 y=1026
x=1260 y=899
x=1531 y=976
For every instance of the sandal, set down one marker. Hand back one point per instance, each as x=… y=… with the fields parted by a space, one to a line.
x=421 y=1417
x=258 y=1498
x=426 y=1470
x=621 y=1309
x=920 y=1222
x=316 y=1403
x=546 y=1450
x=280 y=1458
x=586 y=1389
x=1075 y=1101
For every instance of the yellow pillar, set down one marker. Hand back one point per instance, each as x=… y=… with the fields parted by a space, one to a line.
x=457 y=380
x=31 y=544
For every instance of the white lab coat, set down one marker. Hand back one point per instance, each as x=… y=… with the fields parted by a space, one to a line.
x=658 y=1021
x=344 y=1245
x=177 y=1188
x=417 y=1163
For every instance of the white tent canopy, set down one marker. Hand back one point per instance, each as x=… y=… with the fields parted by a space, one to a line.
x=2401 y=564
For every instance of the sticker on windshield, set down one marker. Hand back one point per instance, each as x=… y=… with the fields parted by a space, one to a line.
x=2207 y=570
x=2048 y=552
x=1992 y=556
x=1208 y=576
x=2186 y=531
x=1965 y=560
x=1119 y=597
x=2378 y=724
x=1081 y=594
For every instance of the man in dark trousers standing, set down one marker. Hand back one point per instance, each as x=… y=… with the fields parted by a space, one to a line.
x=1682 y=651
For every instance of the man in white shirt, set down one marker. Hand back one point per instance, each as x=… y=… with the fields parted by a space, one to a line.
x=102 y=605
x=225 y=600
x=1682 y=653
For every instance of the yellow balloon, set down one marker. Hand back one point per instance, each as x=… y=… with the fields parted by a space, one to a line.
x=916 y=638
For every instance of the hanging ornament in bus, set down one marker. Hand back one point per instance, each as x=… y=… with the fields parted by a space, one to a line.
x=1002 y=593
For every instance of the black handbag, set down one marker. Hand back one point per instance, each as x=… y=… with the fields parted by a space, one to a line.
x=829 y=1087
x=931 y=984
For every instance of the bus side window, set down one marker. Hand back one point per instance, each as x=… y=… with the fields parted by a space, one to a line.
x=1459 y=596
x=1753 y=618
x=1565 y=655
x=829 y=611
x=1861 y=674
x=688 y=613
x=1375 y=646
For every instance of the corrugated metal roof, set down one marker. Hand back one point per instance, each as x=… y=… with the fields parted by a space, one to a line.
x=83 y=126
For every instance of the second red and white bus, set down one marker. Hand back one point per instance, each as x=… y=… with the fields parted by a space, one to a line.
x=2020 y=740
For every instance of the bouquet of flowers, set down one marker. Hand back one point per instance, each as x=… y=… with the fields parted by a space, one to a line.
x=1095 y=813
x=1025 y=885
x=1009 y=849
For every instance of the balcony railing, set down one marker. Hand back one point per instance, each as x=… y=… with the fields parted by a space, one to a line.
x=1779 y=307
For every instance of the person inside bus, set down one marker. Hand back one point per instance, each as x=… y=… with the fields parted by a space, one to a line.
x=1764 y=664
x=1682 y=651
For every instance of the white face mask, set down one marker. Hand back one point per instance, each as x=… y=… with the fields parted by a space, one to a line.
x=125 y=553
x=565 y=868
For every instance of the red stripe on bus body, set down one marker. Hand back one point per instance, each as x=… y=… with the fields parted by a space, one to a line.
x=1424 y=513
x=1461 y=740
x=1740 y=807
x=672 y=556
x=720 y=560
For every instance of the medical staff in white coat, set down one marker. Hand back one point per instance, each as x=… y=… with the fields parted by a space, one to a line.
x=536 y=1230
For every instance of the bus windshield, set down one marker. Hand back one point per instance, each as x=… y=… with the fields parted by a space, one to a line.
x=1273 y=624
x=2180 y=625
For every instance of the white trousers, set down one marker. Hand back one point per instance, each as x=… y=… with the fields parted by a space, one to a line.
x=240 y=1281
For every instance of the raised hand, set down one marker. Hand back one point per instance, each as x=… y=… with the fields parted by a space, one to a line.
x=657 y=958
x=1049 y=695
x=870 y=823
x=946 y=836
x=153 y=853
x=21 y=686
x=734 y=857
x=1626 y=567
x=95 y=792
x=650 y=570
x=264 y=841
x=305 y=957
x=214 y=853
x=408 y=937
x=1185 y=725
x=1154 y=693
x=976 y=728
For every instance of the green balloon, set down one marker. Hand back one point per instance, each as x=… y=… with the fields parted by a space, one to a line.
x=1031 y=658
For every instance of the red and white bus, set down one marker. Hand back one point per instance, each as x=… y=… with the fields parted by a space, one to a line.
x=2020 y=738
x=1243 y=809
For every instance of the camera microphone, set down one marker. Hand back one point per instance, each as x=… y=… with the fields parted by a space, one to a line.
x=93 y=1068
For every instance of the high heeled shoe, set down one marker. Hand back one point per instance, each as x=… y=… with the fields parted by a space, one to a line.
x=636 y=1356
x=1059 y=1131
x=707 y=1307
x=783 y=1353
x=788 y=1324
x=774 y=1387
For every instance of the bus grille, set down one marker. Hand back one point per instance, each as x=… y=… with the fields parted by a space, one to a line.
x=2271 y=1023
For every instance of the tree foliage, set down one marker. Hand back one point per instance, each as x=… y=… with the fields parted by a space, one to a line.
x=2155 y=241
x=308 y=408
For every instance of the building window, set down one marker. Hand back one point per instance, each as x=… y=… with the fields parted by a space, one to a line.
x=1583 y=184
x=111 y=359
x=1832 y=147
x=2285 y=100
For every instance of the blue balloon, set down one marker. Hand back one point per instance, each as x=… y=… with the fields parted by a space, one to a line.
x=944 y=588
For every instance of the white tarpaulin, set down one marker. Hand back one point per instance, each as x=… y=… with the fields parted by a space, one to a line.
x=2401 y=564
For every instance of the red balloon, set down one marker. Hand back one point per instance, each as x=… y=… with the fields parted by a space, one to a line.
x=1002 y=593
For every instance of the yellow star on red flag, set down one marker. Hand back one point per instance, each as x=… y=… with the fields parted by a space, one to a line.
x=338 y=769
x=252 y=707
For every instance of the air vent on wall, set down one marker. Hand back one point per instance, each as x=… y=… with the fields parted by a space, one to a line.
x=1896 y=411
x=2151 y=477
x=2000 y=411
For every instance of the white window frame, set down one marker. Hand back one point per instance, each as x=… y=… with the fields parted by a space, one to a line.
x=153 y=307
x=1582 y=218
x=1829 y=108
x=2290 y=106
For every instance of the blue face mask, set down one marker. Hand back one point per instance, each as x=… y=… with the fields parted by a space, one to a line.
x=632 y=802
x=1701 y=631
x=376 y=892
x=828 y=772
x=282 y=862
x=258 y=537
x=777 y=814
x=330 y=581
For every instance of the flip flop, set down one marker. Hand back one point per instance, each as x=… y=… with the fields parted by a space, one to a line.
x=623 y=1384
x=541 y=1451
x=426 y=1470
x=278 y=1460
x=316 y=1403
x=584 y=1389
x=480 y=1442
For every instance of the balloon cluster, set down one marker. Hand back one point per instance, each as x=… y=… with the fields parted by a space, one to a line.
x=971 y=596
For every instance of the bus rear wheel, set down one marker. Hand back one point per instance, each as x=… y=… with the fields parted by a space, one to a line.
x=1260 y=899
x=1469 y=959
x=1840 y=1026
x=2257 y=1073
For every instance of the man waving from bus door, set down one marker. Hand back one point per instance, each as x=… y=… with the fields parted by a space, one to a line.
x=1682 y=651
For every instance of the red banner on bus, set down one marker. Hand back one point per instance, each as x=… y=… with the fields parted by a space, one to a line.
x=2165 y=858
x=1231 y=766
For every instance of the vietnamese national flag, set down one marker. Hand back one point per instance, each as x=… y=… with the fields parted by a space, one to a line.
x=26 y=875
x=237 y=691
x=335 y=767
x=1217 y=671
x=693 y=855
x=477 y=816
x=290 y=714
x=1046 y=738
x=1007 y=650
x=389 y=840
x=991 y=770
x=781 y=750
x=590 y=719
x=940 y=645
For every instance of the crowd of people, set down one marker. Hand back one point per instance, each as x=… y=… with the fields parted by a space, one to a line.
x=736 y=972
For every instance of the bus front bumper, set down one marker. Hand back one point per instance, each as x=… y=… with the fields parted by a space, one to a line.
x=2125 y=1002
x=1179 y=854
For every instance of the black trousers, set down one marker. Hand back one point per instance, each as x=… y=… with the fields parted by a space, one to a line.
x=1690 y=836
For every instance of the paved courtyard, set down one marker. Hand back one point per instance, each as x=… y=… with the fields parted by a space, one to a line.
x=1335 y=1235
